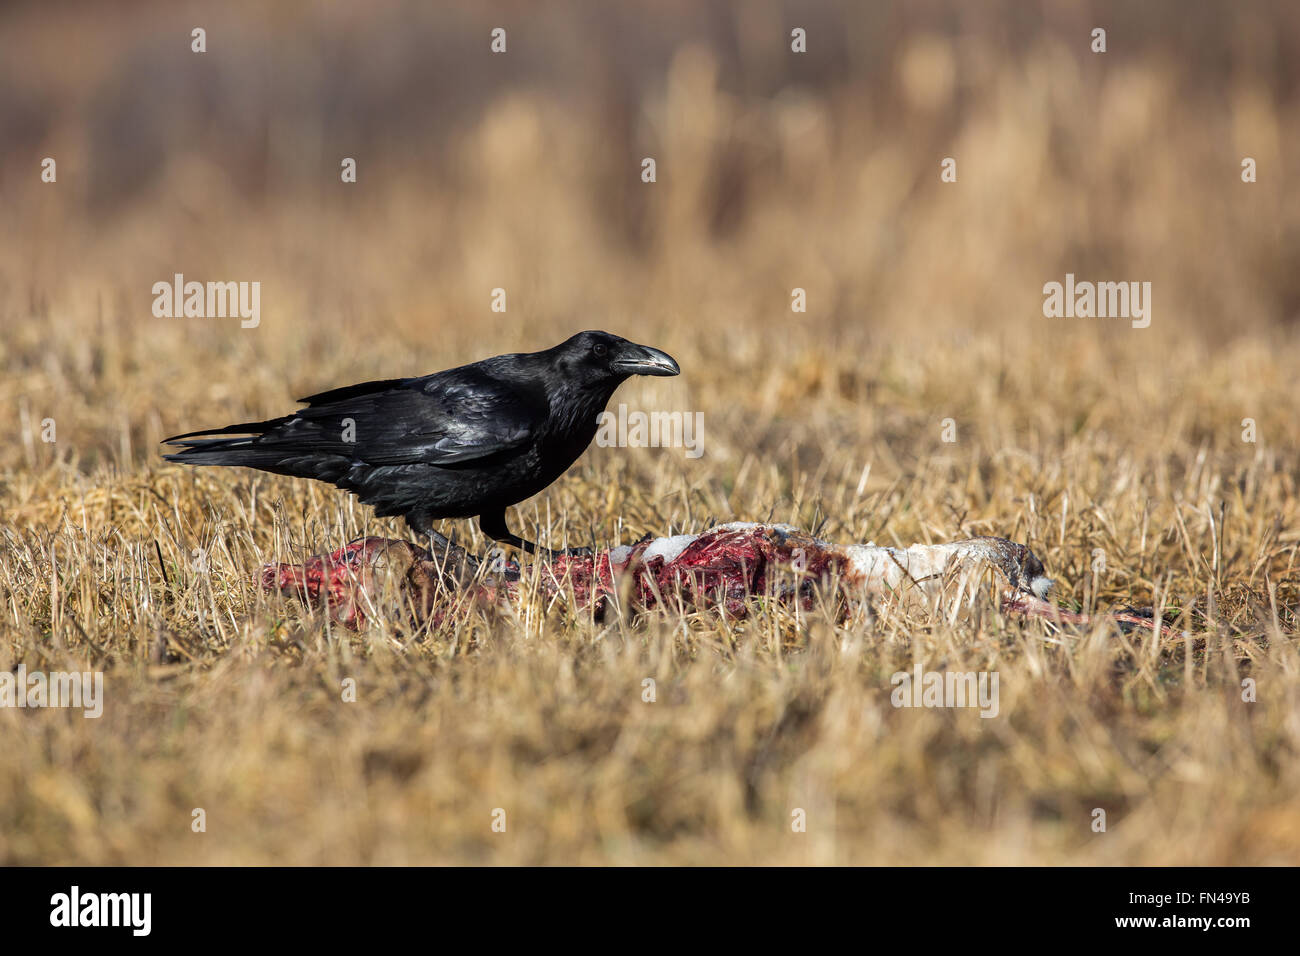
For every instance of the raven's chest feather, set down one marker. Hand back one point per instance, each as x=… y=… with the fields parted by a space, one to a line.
x=569 y=429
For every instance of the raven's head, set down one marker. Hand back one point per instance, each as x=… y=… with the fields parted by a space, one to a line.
x=599 y=358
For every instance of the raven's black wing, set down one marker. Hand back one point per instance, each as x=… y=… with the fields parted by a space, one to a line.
x=449 y=418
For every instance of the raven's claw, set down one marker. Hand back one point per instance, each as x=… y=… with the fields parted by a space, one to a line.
x=572 y=553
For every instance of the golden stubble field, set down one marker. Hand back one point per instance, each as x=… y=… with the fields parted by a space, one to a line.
x=925 y=303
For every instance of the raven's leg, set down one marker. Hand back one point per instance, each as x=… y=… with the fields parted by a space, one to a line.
x=422 y=524
x=494 y=526
x=445 y=552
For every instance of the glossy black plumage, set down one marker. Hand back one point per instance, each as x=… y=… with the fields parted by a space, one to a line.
x=468 y=441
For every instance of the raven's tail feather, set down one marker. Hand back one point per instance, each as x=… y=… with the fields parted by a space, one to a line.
x=245 y=428
x=237 y=452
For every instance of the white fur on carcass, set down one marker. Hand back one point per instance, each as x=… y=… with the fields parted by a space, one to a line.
x=924 y=563
x=878 y=569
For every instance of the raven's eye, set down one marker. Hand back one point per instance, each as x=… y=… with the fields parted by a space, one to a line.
x=599 y=349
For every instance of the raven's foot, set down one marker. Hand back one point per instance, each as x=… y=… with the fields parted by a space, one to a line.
x=451 y=559
x=550 y=554
x=569 y=553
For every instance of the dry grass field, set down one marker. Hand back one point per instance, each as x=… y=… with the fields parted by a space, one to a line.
x=1085 y=438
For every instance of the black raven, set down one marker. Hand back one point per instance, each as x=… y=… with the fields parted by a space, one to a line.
x=469 y=441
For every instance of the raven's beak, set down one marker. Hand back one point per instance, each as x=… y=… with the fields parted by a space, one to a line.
x=643 y=360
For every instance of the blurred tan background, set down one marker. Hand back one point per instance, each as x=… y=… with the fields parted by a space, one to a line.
x=522 y=171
